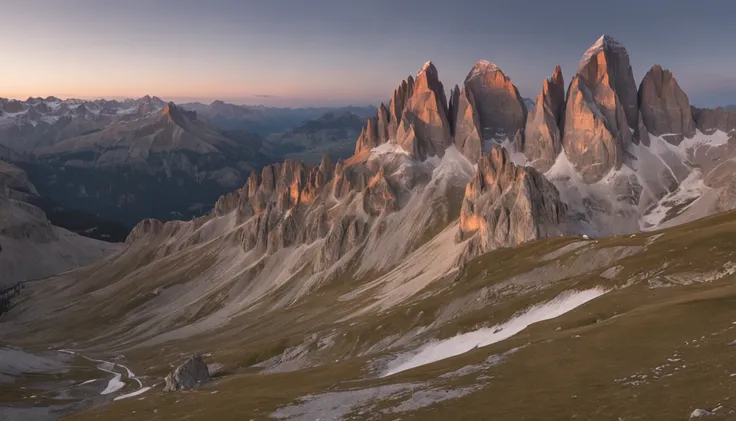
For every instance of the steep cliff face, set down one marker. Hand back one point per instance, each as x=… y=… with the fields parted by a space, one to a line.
x=489 y=107
x=506 y=205
x=500 y=108
x=468 y=137
x=601 y=110
x=665 y=108
x=424 y=128
x=543 y=134
x=375 y=132
x=708 y=120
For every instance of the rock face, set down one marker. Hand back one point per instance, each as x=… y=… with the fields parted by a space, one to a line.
x=709 y=120
x=187 y=376
x=500 y=108
x=489 y=107
x=452 y=109
x=601 y=110
x=543 y=135
x=424 y=128
x=399 y=99
x=375 y=131
x=665 y=108
x=506 y=205
x=290 y=204
x=468 y=137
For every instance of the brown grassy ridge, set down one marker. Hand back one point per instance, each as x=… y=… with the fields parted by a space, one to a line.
x=555 y=375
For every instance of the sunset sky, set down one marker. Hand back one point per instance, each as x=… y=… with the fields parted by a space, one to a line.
x=339 y=52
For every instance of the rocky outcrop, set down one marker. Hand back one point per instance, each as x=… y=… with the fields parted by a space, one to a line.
x=399 y=99
x=500 y=108
x=601 y=110
x=543 y=136
x=665 y=108
x=145 y=228
x=290 y=204
x=379 y=196
x=468 y=137
x=375 y=131
x=192 y=373
x=506 y=205
x=708 y=120
x=424 y=129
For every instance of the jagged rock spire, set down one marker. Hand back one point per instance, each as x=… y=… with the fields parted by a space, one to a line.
x=424 y=129
x=601 y=111
x=506 y=205
x=543 y=134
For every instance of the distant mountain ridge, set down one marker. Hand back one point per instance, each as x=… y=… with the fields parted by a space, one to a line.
x=332 y=134
x=31 y=246
x=265 y=120
x=165 y=162
x=124 y=159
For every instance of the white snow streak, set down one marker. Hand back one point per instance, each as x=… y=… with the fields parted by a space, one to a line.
x=132 y=394
x=465 y=342
x=115 y=383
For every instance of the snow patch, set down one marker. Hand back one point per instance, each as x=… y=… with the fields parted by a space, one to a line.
x=132 y=394
x=389 y=147
x=465 y=342
x=114 y=384
x=690 y=189
x=604 y=42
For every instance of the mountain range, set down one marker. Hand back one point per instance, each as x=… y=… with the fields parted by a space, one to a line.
x=128 y=160
x=473 y=251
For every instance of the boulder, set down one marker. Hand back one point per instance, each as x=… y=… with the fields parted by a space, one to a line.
x=192 y=373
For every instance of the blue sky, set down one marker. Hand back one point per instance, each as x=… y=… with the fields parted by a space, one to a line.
x=331 y=52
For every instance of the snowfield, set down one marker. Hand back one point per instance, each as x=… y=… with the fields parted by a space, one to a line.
x=465 y=342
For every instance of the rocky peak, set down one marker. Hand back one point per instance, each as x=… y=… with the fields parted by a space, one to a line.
x=607 y=62
x=375 y=131
x=506 y=205
x=488 y=107
x=424 y=129
x=399 y=99
x=500 y=107
x=147 y=227
x=665 y=108
x=543 y=134
x=601 y=111
x=177 y=114
x=81 y=110
x=468 y=138
x=13 y=106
